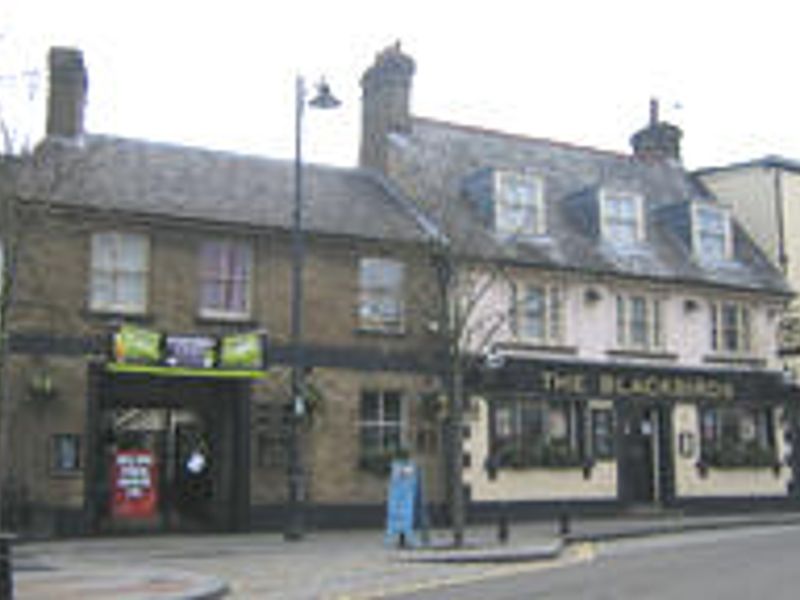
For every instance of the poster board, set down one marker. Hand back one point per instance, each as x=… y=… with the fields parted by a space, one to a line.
x=404 y=504
x=134 y=484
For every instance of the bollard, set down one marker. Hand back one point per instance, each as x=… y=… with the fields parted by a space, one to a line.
x=502 y=526
x=6 y=580
x=563 y=524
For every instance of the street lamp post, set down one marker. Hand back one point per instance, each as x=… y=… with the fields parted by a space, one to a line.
x=295 y=525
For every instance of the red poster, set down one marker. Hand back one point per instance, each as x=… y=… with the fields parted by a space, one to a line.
x=134 y=484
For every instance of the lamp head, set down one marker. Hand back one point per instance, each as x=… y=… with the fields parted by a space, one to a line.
x=324 y=98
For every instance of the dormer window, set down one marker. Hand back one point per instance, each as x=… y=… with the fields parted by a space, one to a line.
x=711 y=236
x=519 y=204
x=621 y=217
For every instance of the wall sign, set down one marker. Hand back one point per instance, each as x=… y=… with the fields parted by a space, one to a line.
x=632 y=382
x=134 y=484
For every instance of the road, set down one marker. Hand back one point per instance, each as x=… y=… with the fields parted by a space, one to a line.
x=739 y=564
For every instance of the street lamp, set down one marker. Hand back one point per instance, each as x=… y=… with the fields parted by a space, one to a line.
x=296 y=519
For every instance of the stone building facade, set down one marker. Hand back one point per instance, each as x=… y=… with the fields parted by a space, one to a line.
x=122 y=240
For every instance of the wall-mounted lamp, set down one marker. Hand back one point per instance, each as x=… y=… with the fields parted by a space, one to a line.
x=592 y=295
x=690 y=305
x=41 y=386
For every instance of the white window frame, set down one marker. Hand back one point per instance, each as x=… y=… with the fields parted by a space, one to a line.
x=610 y=223
x=382 y=424
x=115 y=270
x=229 y=245
x=742 y=327
x=628 y=335
x=553 y=311
x=701 y=252
x=373 y=298
x=533 y=207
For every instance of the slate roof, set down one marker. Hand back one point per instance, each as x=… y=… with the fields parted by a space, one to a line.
x=438 y=157
x=163 y=180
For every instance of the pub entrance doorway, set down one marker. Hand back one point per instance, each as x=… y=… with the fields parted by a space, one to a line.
x=171 y=453
x=643 y=456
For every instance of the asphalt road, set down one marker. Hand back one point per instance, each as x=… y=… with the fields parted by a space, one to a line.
x=739 y=564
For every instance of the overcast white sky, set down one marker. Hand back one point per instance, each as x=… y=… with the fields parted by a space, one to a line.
x=221 y=74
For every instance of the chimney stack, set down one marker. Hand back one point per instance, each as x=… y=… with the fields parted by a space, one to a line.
x=67 y=97
x=659 y=141
x=385 y=104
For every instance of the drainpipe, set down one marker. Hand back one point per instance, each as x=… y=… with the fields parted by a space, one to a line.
x=779 y=215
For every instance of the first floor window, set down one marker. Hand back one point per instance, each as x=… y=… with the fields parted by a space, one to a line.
x=538 y=312
x=119 y=272
x=65 y=453
x=382 y=423
x=730 y=328
x=528 y=432
x=381 y=304
x=225 y=278
x=737 y=436
x=639 y=322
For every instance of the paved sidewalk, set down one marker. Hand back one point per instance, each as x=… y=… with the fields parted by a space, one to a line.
x=329 y=565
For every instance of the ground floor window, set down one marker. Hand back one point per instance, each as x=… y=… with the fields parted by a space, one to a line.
x=65 y=453
x=737 y=436
x=382 y=428
x=528 y=432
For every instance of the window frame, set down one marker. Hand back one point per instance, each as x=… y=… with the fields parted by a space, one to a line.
x=227 y=246
x=116 y=270
x=385 y=427
x=742 y=329
x=514 y=424
x=611 y=222
x=722 y=440
x=652 y=338
x=553 y=312
x=504 y=206
x=698 y=233
x=58 y=467
x=374 y=297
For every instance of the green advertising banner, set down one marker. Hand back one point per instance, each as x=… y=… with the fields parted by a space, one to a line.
x=139 y=350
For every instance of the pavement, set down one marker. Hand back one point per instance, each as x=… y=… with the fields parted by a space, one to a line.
x=343 y=565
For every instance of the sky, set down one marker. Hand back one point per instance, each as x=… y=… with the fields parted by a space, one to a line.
x=221 y=74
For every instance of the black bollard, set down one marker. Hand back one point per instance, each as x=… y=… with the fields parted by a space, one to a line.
x=563 y=524
x=502 y=526
x=6 y=581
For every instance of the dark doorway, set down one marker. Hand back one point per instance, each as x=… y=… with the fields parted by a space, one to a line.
x=171 y=454
x=640 y=433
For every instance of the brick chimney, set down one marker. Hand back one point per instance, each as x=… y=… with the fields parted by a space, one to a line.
x=659 y=141
x=385 y=104
x=67 y=97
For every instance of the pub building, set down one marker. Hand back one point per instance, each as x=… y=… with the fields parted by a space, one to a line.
x=621 y=342
x=623 y=347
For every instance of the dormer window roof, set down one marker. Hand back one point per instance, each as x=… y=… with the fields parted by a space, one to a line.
x=518 y=204
x=711 y=233
x=621 y=217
